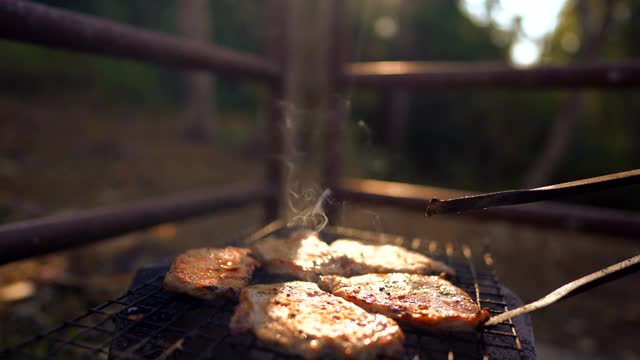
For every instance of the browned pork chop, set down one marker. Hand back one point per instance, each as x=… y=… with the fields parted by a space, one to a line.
x=357 y=258
x=300 y=319
x=418 y=300
x=211 y=273
x=302 y=255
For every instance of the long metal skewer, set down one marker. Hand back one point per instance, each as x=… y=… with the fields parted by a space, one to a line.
x=573 y=288
x=514 y=197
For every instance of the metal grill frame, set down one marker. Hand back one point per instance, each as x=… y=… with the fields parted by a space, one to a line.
x=149 y=323
x=33 y=23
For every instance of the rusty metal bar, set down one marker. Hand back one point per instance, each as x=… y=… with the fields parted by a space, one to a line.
x=275 y=120
x=41 y=236
x=44 y=25
x=554 y=215
x=440 y=75
x=515 y=197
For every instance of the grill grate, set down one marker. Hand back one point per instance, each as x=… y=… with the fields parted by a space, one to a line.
x=149 y=323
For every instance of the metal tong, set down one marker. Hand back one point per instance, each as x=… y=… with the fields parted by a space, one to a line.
x=588 y=282
x=514 y=197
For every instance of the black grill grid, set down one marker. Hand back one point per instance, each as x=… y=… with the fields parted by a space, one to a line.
x=150 y=323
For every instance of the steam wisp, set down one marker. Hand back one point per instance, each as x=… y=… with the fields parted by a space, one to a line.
x=314 y=216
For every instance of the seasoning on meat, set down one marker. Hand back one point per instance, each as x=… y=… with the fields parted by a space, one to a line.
x=417 y=300
x=300 y=319
x=302 y=255
x=211 y=273
x=357 y=258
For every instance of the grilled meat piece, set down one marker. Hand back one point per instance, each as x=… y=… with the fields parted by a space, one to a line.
x=302 y=255
x=357 y=258
x=422 y=301
x=211 y=273
x=300 y=319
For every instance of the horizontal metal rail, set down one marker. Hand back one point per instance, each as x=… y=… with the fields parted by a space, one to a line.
x=44 y=25
x=440 y=75
x=549 y=214
x=44 y=235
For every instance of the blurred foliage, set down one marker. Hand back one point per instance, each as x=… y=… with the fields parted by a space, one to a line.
x=486 y=139
x=30 y=69
x=475 y=139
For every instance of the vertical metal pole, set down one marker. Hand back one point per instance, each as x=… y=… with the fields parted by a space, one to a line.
x=277 y=40
x=199 y=86
x=337 y=111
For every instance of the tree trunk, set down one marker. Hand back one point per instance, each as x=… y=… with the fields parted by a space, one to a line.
x=398 y=117
x=199 y=86
x=593 y=36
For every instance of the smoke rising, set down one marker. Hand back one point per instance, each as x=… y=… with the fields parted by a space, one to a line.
x=304 y=199
x=312 y=217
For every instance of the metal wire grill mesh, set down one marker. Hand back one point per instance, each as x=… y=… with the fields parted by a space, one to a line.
x=150 y=323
